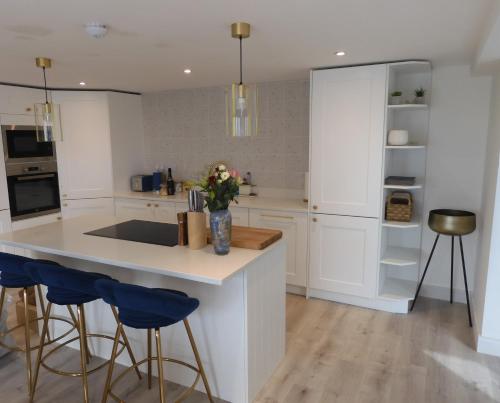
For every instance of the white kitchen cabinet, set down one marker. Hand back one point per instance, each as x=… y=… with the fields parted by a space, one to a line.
x=5 y=226
x=165 y=212
x=134 y=209
x=84 y=155
x=347 y=134
x=19 y=100
x=343 y=254
x=75 y=208
x=4 y=192
x=146 y=210
x=294 y=228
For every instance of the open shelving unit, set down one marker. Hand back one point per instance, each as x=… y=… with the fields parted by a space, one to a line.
x=400 y=242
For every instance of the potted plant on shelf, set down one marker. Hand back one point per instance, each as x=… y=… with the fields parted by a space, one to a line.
x=396 y=97
x=419 y=96
x=220 y=188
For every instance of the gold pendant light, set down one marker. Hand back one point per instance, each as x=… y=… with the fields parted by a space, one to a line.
x=47 y=117
x=241 y=99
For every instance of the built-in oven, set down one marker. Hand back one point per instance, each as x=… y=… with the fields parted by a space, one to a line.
x=21 y=146
x=33 y=189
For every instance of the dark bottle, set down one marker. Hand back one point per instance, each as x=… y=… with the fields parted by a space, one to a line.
x=170 y=183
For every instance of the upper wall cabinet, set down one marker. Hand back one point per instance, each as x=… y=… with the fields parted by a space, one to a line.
x=19 y=100
x=347 y=126
x=84 y=155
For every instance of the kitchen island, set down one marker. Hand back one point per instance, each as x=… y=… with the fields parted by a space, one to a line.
x=239 y=326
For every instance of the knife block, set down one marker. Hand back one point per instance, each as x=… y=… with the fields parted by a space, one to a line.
x=197 y=230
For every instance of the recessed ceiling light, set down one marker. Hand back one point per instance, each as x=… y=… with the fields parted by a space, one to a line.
x=187 y=71
x=83 y=83
x=340 y=53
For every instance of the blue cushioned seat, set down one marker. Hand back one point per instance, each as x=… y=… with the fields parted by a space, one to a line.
x=146 y=308
x=12 y=274
x=65 y=286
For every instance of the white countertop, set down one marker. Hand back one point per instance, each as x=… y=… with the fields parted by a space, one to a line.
x=262 y=203
x=66 y=238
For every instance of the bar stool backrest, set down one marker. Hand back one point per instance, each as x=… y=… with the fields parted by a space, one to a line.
x=171 y=304
x=61 y=277
x=13 y=264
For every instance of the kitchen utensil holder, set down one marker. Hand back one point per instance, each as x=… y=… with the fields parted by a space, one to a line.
x=197 y=230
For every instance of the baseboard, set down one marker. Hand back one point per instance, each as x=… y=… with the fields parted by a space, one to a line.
x=487 y=345
x=381 y=304
x=295 y=289
x=443 y=293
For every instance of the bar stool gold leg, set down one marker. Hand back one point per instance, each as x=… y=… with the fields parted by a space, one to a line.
x=198 y=360
x=42 y=305
x=27 y=337
x=125 y=340
x=2 y=299
x=159 y=361
x=40 y=350
x=77 y=326
x=83 y=352
x=149 y=359
x=112 y=363
x=87 y=350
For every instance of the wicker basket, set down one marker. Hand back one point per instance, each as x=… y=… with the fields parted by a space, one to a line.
x=399 y=207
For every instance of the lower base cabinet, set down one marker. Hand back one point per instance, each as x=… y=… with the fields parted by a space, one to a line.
x=146 y=210
x=4 y=226
x=75 y=208
x=343 y=254
x=294 y=228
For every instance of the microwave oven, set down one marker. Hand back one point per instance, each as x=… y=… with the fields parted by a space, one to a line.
x=20 y=145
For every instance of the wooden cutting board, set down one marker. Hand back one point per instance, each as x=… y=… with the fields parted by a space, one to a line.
x=251 y=238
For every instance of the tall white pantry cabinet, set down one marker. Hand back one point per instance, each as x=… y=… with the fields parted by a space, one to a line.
x=349 y=158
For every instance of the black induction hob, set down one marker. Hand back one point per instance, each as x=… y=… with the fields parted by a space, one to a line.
x=155 y=233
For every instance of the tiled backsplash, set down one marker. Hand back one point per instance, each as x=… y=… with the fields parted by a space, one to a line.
x=186 y=130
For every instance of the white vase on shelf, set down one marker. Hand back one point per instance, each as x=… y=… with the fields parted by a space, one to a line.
x=397 y=137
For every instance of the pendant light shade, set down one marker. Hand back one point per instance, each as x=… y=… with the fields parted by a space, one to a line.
x=47 y=116
x=241 y=99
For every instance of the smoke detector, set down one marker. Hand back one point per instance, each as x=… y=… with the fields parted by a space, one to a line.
x=96 y=30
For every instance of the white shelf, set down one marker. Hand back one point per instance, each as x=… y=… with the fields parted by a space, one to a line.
x=404 y=187
x=407 y=147
x=394 y=288
x=399 y=256
x=414 y=223
x=408 y=107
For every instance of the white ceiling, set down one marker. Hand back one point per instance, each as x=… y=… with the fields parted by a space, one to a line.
x=150 y=42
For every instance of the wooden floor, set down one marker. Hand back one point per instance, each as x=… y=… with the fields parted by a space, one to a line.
x=339 y=353
x=335 y=353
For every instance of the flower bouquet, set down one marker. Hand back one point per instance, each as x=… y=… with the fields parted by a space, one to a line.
x=220 y=188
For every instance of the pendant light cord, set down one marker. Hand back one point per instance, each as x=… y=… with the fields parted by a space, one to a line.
x=45 y=86
x=241 y=60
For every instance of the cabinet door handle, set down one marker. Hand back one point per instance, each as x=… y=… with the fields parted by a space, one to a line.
x=315 y=219
x=148 y=205
x=157 y=205
x=273 y=217
x=65 y=204
x=65 y=195
x=315 y=207
x=59 y=218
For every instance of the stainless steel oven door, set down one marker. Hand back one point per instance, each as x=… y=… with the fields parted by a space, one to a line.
x=33 y=195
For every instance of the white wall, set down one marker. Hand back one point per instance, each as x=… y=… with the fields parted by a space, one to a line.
x=127 y=138
x=458 y=131
x=486 y=292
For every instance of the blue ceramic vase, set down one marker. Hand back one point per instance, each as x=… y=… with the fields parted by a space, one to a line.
x=220 y=227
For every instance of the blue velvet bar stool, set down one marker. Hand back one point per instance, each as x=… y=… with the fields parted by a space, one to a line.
x=12 y=275
x=150 y=308
x=68 y=287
